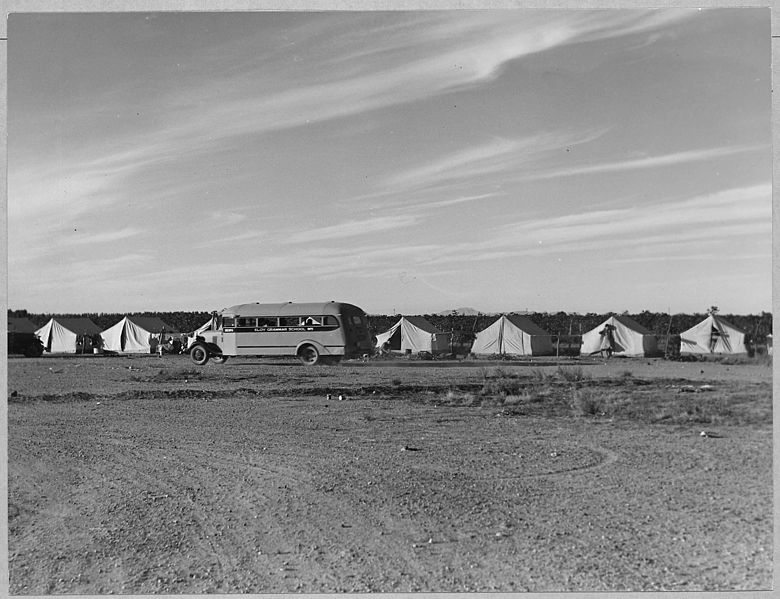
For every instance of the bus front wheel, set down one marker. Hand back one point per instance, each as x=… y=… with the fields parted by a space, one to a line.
x=309 y=355
x=199 y=354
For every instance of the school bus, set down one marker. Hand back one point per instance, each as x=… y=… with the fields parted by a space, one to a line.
x=317 y=333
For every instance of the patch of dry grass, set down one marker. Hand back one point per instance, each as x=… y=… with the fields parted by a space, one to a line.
x=573 y=392
x=572 y=375
x=756 y=360
x=177 y=375
x=597 y=402
x=455 y=397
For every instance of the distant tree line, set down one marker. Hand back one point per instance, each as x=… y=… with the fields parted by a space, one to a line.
x=563 y=324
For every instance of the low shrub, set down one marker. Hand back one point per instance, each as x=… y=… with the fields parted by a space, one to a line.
x=590 y=402
x=661 y=416
x=586 y=403
x=541 y=376
x=513 y=400
x=459 y=398
x=501 y=387
x=501 y=373
x=572 y=375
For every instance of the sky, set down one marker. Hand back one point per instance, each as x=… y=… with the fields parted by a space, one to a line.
x=407 y=162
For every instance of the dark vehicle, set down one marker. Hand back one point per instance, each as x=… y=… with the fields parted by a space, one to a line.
x=22 y=338
x=24 y=343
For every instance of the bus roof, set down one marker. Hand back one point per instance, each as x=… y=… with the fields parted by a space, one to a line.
x=289 y=309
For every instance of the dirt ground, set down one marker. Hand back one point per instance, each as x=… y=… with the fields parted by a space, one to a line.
x=146 y=475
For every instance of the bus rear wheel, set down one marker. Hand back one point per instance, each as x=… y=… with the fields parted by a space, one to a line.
x=199 y=354
x=309 y=355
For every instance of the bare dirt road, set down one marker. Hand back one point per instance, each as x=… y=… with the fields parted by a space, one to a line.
x=153 y=476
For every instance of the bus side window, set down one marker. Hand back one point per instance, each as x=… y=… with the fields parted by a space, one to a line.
x=289 y=321
x=228 y=322
x=266 y=321
x=330 y=321
x=246 y=322
x=308 y=321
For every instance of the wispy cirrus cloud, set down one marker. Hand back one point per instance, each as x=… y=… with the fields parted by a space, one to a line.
x=33 y=190
x=652 y=231
x=431 y=54
x=479 y=160
x=649 y=231
x=650 y=162
x=93 y=273
x=238 y=154
x=689 y=256
x=419 y=55
x=225 y=218
x=104 y=236
x=715 y=220
x=352 y=228
x=469 y=199
x=53 y=200
x=228 y=240
x=746 y=204
x=357 y=260
x=486 y=159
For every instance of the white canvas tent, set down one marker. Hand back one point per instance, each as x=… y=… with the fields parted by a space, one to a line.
x=513 y=335
x=210 y=324
x=68 y=335
x=414 y=334
x=135 y=334
x=206 y=326
x=713 y=335
x=621 y=336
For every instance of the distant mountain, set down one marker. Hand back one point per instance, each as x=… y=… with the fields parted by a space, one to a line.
x=475 y=312
x=461 y=311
